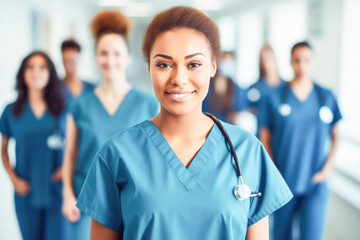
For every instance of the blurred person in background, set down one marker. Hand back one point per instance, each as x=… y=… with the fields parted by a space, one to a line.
x=72 y=85
x=34 y=121
x=298 y=127
x=268 y=81
x=173 y=176
x=225 y=98
x=113 y=106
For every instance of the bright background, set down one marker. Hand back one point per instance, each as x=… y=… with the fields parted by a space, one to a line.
x=332 y=26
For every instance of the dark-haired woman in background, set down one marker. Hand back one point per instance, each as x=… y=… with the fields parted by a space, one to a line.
x=269 y=79
x=113 y=106
x=225 y=98
x=34 y=122
x=72 y=85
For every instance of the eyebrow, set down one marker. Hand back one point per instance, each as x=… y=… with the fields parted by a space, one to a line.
x=186 y=57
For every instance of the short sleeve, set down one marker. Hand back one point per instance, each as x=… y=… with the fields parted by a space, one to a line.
x=274 y=191
x=73 y=108
x=335 y=109
x=265 y=115
x=5 y=127
x=100 y=197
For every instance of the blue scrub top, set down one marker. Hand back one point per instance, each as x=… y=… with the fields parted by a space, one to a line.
x=95 y=125
x=138 y=186
x=239 y=103
x=87 y=87
x=300 y=141
x=259 y=90
x=35 y=161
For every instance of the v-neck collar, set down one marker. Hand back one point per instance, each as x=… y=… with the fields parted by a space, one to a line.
x=119 y=107
x=69 y=91
x=296 y=97
x=33 y=113
x=187 y=176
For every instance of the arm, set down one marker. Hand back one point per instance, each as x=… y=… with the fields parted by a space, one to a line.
x=99 y=231
x=69 y=209
x=21 y=186
x=259 y=230
x=324 y=172
x=265 y=138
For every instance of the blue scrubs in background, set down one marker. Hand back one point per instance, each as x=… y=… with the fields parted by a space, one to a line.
x=95 y=126
x=300 y=147
x=258 y=91
x=87 y=87
x=38 y=213
x=138 y=186
x=239 y=103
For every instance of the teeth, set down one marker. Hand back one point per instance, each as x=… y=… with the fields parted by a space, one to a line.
x=180 y=95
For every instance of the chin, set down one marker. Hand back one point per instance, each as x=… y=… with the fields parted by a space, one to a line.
x=179 y=111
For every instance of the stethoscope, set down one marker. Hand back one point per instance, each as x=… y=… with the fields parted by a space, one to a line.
x=241 y=191
x=55 y=141
x=325 y=113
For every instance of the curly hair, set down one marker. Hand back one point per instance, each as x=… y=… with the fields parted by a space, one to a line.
x=53 y=91
x=70 y=44
x=110 y=21
x=182 y=17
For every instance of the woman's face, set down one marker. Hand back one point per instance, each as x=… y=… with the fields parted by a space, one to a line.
x=112 y=55
x=301 y=61
x=181 y=65
x=36 y=73
x=268 y=61
x=70 y=60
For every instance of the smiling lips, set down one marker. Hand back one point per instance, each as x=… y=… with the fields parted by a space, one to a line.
x=180 y=96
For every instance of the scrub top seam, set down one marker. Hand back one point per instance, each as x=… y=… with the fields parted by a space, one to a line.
x=163 y=158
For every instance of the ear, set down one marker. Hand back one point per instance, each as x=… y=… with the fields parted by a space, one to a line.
x=213 y=68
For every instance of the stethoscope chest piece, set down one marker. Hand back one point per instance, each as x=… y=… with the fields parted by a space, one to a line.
x=242 y=192
x=254 y=95
x=285 y=109
x=55 y=141
x=326 y=114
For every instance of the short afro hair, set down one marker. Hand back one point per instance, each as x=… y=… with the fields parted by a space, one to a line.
x=182 y=17
x=70 y=44
x=301 y=44
x=110 y=21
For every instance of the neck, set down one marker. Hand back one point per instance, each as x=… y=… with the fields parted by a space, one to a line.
x=36 y=96
x=188 y=126
x=272 y=79
x=301 y=81
x=69 y=78
x=115 y=86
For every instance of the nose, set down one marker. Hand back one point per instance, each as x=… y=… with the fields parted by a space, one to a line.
x=179 y=76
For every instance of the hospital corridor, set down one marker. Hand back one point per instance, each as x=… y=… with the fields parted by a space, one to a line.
x=197 y=120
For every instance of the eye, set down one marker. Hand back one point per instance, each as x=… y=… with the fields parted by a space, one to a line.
x=194 y=65
x=163 y=65
x=103 y=53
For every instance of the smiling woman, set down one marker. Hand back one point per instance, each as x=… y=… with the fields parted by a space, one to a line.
x=172 y=177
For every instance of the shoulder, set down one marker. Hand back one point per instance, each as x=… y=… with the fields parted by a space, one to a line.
x=122 y=142
x=144 y=97
x=82 y=102
x=326 y=92
x=8 y=110
x=89 y=85
x=142 y=94
x=240 y=135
